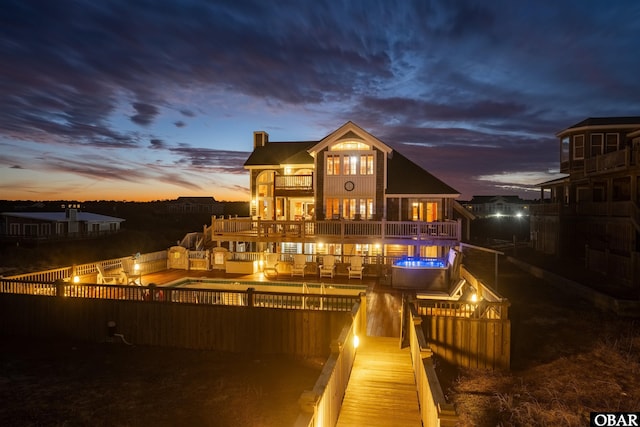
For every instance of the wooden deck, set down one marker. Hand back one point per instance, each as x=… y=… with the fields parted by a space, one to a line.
x=382 y=388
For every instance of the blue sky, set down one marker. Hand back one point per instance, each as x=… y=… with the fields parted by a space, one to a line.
x=151 y=100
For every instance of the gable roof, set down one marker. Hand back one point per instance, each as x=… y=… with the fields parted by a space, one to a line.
x=279 y=153
x=406 y=177
x=349 y=130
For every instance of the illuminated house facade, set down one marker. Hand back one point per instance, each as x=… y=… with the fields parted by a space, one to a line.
x=593 y=212
x=346 y=194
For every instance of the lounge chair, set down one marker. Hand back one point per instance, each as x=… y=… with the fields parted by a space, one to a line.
x=130 y=275
x=299 y=264
x=356 y=268
x=107 y=278
x=328 y=267
x=271 y=266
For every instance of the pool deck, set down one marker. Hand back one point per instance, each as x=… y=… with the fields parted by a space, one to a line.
x=383 y=302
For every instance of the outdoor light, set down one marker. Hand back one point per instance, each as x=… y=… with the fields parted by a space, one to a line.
x=76 y=279
x=356 y=341
x=519 y=214
x=474 y=297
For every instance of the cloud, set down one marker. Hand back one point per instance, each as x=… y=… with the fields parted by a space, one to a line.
x=145 y=113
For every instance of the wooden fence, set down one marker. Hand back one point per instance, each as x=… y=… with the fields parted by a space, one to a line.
x=435 y=411
x=232 y=328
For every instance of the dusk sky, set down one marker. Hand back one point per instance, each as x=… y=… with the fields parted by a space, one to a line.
x=151 y=100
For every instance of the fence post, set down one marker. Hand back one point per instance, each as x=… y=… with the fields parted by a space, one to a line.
x=59 y=287
x=250 y=292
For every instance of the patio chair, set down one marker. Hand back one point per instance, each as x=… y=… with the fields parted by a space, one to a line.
x=328 y=267
x=271 y=266
x=356 y=268
x=299 y=264
x=107 y=278
x=130 y=275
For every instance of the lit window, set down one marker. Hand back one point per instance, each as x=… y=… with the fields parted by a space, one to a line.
x=366 y=164
x=333 y=164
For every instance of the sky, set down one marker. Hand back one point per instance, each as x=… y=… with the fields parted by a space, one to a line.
x=151 y=100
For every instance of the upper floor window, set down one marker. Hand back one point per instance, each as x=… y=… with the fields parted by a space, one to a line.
x=349 y=165
x=366 y=164
x=578 y=147
x=350 y=146
x=564 y=149
x=612 y=142
x=597 y=144
x=333 y=164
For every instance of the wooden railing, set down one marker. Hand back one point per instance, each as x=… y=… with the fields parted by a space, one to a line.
x=294 y=182
x=249 y=297
x=610 y=161
x=339 y=229
x=149 y=263
x=434 y=408
x=321 y=406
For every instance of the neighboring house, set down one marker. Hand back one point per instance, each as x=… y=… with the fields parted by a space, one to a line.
x=57 y=225
x=188 y=205
x=593 y=212
x=346 y=194
x=497 y=206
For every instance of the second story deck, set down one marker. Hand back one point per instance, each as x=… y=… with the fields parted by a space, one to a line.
x=334 y=231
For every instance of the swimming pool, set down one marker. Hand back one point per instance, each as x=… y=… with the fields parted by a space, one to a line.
x=271 y=286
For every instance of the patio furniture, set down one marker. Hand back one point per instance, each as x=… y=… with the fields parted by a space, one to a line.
x=130 y=275
x=328 y=267
x=299 y=264
x=107 y=278
x=356 y=268
x=271 y=266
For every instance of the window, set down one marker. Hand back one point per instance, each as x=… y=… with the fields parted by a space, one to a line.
x=578 y=147
x=333 y=164
x=564 y=150
x=366 y=164
x=333 y=208
x=612 y=142
x=349 y=208
x=349 y=165
x=350 y=146
x=597 y=140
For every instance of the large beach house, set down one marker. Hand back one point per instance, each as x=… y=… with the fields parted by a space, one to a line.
x=347 y=194
x=593 y=211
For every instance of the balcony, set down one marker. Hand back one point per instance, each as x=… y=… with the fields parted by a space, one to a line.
x=293 y=185
x=396 y=232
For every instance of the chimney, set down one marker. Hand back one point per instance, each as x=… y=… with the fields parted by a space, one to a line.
x=260 y=138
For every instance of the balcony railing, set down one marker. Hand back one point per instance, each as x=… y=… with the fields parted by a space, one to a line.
x=294 y=182
x=238 y=228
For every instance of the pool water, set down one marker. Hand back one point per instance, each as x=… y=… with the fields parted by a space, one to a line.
x=420 y=263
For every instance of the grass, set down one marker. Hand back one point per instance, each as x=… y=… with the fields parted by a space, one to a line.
x=567 y=360
x=59 y=383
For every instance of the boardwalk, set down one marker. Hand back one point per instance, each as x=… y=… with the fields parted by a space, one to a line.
x=382 y=388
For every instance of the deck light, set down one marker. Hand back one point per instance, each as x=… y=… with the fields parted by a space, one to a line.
x=356 y=341
x=474 y=297
x=76 y=279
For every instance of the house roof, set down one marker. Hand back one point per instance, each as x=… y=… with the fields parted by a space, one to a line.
x=406 y=177
x=279 y=153
x=194 y=199
x=62 y=216
x=604 y=122
x=489 y=199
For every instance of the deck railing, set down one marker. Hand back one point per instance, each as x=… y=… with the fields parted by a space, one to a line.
x=321 y=406
x=340 y=229
x=435 y=411
x=248 y=298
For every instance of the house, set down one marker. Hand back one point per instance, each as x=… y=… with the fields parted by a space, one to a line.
x=346 y=194
x=195 y=205
x=592 y=212
x=68 y=224
x=497 y=206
